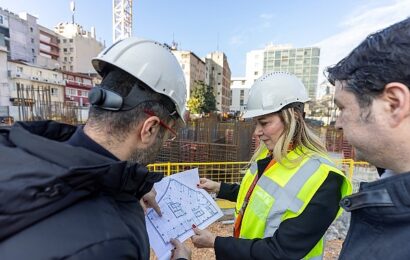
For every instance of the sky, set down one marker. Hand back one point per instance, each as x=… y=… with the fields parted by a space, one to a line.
x=233 y=26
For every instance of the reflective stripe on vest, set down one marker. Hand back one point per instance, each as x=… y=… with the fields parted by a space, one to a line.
x=253 y=168
x=286 y=197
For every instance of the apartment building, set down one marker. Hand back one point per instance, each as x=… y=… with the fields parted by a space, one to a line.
x=49 y=50
x=4 y=85
x=77 y=87
x=21 y=34
x=193 y=68
x=302 y=62
x=77 y=47
x=219 y=78
x=32 y=90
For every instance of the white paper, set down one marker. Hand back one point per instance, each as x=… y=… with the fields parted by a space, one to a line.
x=182 y=204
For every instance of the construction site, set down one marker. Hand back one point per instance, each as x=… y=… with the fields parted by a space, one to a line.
x=221 y=150
x=220 y=147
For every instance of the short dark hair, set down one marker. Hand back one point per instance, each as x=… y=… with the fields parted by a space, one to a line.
x=119 y=123
x=383 y=57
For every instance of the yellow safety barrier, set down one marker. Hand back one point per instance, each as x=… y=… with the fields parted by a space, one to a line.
x=218 y=171
x=233 y=171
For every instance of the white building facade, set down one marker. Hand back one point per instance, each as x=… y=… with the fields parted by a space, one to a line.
x=302 y=62
x=239 y=94
x=77 y=47
x=34 y=91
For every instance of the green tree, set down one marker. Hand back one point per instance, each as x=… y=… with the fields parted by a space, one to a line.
x=202 y=99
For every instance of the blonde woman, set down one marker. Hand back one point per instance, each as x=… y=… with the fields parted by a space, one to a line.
x=290 y=193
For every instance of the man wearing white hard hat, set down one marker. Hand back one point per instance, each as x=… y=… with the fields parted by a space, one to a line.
x=74 y=192
x=290 y=193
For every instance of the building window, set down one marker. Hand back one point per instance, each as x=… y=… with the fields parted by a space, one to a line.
x=54 y=91
x=64 y=40
x=255 y=73
x=58 y=41
x=71 y=59
x=71 y=68
x=65 y=50
x=242 y=92
x=1 y=19
x=31 y=29
x=65 y=58
x=32 y=40
x=84 y=93
x=241 y=102
x=64 y=68
x=71 y=40
x=71 y=92
x=33 y=51
x=71 y=49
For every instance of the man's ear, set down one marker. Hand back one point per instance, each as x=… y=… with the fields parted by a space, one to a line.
x=397 y=96
x=149 y=129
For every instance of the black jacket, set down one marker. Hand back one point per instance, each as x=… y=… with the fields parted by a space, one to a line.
x=380 y=220
x=61 y=201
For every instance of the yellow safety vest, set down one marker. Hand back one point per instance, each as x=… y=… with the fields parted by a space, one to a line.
x=282 y=193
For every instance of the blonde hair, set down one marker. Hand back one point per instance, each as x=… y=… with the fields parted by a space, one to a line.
x=296 y=134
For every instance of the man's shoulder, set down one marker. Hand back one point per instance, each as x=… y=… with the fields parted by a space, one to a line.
x=94 y=222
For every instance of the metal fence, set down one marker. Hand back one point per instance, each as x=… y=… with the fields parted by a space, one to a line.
x=232 y=172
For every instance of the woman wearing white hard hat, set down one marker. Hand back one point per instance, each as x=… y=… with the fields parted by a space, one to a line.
x=291 y=191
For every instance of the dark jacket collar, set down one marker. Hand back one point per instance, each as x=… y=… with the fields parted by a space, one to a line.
x=48 y=140
x=81 y=139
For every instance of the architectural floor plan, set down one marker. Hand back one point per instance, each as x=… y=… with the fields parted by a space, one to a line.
x=182 y=204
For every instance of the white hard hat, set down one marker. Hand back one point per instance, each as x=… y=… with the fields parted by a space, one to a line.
x=271 y=92
x=150 y=62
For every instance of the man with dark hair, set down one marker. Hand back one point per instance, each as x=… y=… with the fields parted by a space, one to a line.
x=75 y=192
x=373 y=95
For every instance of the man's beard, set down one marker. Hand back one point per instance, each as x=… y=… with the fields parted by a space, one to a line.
x=148 y=155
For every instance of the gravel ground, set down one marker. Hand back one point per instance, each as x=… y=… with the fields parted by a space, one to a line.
x=331 y=251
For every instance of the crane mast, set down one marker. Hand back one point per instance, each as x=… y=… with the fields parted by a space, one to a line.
x=122 y=19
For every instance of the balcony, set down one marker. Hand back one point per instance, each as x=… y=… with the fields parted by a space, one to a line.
x=52 y=53
x=16 y=75
x=74 y=83
x=19 y=75
x=50 y=43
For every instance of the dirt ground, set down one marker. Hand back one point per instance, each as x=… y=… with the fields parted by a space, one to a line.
x=331 y=251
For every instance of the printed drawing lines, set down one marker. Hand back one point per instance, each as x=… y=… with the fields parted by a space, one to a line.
x=182 y=206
